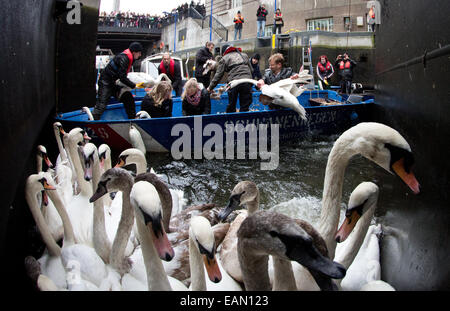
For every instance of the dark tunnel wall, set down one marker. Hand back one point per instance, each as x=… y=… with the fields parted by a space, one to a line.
x=414 y=99
x=28 y=40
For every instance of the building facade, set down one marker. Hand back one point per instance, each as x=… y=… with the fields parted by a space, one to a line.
x=298 y=15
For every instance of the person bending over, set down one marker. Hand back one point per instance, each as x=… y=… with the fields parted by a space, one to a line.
x=195 y=100
x=117 y=69
x=237 y=65
x=158 y=102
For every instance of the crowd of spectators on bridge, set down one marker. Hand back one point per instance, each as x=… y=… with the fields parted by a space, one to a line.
x=140 y=20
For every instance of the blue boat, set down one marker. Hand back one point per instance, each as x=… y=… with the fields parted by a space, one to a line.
x=160 y=134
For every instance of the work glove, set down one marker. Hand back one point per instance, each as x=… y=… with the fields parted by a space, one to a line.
x=140 y=85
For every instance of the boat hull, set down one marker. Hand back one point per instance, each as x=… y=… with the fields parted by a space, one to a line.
x=160 y=134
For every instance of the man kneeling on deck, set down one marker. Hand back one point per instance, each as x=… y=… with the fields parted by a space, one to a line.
x=238 y=66
x=117 y=69
x=275 y=73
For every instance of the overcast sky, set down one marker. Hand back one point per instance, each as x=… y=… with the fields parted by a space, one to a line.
x=144 y=6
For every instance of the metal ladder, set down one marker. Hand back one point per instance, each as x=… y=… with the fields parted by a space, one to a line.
x=307 y=63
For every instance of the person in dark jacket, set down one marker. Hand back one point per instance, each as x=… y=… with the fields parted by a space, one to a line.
x=261 y=14
x=173 y=71
x=204 y=54
x=275 y=73
x=195 y=100
x=237 y=65
x=158 y=102
x=254 y=61
x=117 y=69
x=345 y=67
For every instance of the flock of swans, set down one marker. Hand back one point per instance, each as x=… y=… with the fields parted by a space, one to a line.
x=146 y=239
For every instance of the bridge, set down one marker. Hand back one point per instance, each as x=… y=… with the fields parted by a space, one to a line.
x=119 y=38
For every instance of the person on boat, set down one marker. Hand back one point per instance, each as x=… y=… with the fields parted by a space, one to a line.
x=345 y=67
x=237 y=65
x=275 y=73
x=324 y=71
x=158 y=102
x=117 y=69
x=172 y=70
x=254 y=61
x=204 y=54
x=196 y=100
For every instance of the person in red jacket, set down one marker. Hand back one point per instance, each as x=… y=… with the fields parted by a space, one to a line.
x=173 y=71
x=345 y=67
x=324 y=71
x=238 y=21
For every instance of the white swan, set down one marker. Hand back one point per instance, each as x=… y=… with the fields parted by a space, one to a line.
x=87 y=111
x=378 y=143
x=105 y=223
x=49 y=212
x=143 y=115
x=360 y=253
x=65 y=175
x=154 y=243
x=74 y=263
x=202 y=248
x=135 y=156
x=136 y=139
x=78 y=206
x=283 y=93
x=117 y=179
x=267 y=233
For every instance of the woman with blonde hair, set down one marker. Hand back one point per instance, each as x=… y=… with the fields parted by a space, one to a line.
x=158 y=102
x=195 y=100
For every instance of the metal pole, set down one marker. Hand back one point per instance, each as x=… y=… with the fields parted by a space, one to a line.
x=275 y=5
x=175 y=33
x=210 y=22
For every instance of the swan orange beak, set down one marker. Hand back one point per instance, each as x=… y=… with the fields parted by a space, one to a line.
x=47 y=161
x=408 y=178
x=120 y=164
x=47 y=186
x=61 y=130
x=212 y=267
x=347 y=226
x=161 y=242
x=86 y=136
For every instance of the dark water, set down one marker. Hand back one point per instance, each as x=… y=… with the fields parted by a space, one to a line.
x=294 y=188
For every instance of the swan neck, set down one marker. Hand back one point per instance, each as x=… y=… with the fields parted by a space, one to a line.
x=156 y=276
x=356 y=238
x=123 y=231
x=254 y=270
x=332 y=194
x=86 y=189
x=69 y=236
x=253 y=206
x=52 y=246
x=283 y=276
x=198 y=282
x=62 y=152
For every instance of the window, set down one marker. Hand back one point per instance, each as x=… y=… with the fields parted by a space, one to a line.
x=268 y=31
x=347 y=23
x=325 y=24
x=236 y=3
